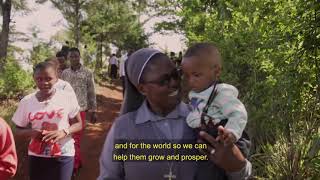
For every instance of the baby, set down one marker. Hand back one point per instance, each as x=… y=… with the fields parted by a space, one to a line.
x=213 y=103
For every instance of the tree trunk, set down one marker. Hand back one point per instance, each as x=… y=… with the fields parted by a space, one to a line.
x=4 y=36
x=99 y=52
x=77 y=23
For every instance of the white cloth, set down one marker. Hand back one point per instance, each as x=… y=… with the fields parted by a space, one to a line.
x=113 y=60
x=52 y=114
x=245 y=172
x=121 y=68
x=63 y=85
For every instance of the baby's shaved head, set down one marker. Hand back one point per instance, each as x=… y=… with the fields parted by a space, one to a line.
x=207 y=52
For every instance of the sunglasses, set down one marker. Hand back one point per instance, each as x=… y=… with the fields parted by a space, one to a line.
x=165 y=79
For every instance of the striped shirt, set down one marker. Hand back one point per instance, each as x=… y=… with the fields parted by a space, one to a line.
x=225 y=105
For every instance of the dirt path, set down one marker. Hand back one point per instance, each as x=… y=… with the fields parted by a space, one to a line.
x=109 y=100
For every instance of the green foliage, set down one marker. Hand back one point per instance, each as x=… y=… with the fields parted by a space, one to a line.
x=8 y=107
x=115 y=22
x=271 y=53
x=111 y=22
x=295 y=153
x=72 y=12
x=14 y=81
x=40 y=52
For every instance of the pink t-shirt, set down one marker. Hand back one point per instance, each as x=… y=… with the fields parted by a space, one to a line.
x=53 y=114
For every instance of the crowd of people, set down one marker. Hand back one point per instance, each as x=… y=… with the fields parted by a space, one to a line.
x=54 y=115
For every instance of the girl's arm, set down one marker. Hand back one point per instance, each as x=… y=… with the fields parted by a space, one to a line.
x=27 y=132
x=77 y=126
x=22 y=122
x=56 y=135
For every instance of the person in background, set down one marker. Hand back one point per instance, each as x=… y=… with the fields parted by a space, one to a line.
x=61 y=84
x=82 y=82
x=62 y=62
x=65 y=51
x=179 y=59
x=173 y=56
x=65 y=48
x=113 y=66
x=8 y=154
x=122 y=69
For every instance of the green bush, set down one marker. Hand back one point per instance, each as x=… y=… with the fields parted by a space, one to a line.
x=270 y=52
x=295 y=152
x=14 y=81
x=297 y=160
x=8 y=107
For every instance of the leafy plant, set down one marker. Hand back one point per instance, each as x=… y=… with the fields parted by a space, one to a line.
x=14 y=81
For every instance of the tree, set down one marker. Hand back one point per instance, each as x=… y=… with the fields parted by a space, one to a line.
x=40 y=50
x=99 y=23
x=72 y=12
x=112 y=22
x=6 y=7
x=4 y=36
x=271 y=53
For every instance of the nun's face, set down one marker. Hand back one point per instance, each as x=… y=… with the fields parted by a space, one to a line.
x=161 y=85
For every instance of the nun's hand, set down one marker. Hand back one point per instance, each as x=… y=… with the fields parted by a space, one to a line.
x=227 y=137
x=228 y=158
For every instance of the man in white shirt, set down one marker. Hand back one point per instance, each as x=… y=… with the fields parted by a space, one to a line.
x=113 y=62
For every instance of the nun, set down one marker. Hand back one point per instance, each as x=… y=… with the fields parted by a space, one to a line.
x=152 y=110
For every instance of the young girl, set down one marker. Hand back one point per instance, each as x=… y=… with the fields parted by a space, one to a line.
x=65 y=86
x=44 y=116
x=60 y=84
